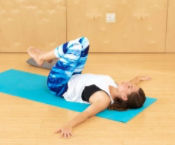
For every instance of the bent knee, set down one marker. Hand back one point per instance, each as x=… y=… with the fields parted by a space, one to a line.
x=84 y=42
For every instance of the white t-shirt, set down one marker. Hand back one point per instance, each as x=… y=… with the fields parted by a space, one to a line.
x=78 y=82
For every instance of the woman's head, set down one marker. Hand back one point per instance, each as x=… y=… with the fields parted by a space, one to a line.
x=127 y=96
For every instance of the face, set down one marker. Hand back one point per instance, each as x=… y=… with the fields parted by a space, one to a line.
x=126 y=88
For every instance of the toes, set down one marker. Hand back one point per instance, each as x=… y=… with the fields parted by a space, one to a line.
x=30 y=50
x=35 y=53
x=38 y=50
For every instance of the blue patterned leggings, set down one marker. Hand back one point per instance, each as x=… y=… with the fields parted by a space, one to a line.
x=72 y=58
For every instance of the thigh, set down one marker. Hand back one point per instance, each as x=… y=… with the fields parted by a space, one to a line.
x=84 y=55
x=62 y=71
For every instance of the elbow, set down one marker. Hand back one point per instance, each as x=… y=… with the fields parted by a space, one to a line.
x=91 y=115
x=88 y=115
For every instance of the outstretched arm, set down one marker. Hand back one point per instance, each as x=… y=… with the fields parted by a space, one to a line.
x=94 y=108
x=138 y=79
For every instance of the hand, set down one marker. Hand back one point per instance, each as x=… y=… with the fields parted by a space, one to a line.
x=65 y=131
x=145 y=78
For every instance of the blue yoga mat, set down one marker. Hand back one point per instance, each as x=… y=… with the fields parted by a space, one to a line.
x=33 y=87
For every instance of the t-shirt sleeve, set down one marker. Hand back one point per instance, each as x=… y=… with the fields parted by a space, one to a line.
x=89 y=91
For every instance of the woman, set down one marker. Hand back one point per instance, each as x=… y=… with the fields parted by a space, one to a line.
x=100 y=91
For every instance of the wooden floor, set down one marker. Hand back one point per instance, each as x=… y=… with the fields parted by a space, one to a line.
x=24 y=122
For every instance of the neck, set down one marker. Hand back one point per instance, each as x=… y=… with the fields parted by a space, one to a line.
x=113 y=92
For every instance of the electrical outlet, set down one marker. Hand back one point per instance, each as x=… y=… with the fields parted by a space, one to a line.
x=110 y=17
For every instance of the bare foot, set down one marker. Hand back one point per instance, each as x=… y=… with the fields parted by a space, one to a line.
x=40 y=52
x=36 y=55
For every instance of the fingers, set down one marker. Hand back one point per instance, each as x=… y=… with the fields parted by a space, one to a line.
x=64 y=134
x=145 y=78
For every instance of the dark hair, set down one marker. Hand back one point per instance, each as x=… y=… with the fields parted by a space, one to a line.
x=135 y=100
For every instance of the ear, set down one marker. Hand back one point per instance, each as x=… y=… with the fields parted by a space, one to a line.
x=124 y=97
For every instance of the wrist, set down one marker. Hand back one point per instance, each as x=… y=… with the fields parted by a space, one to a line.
x=68 y=125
